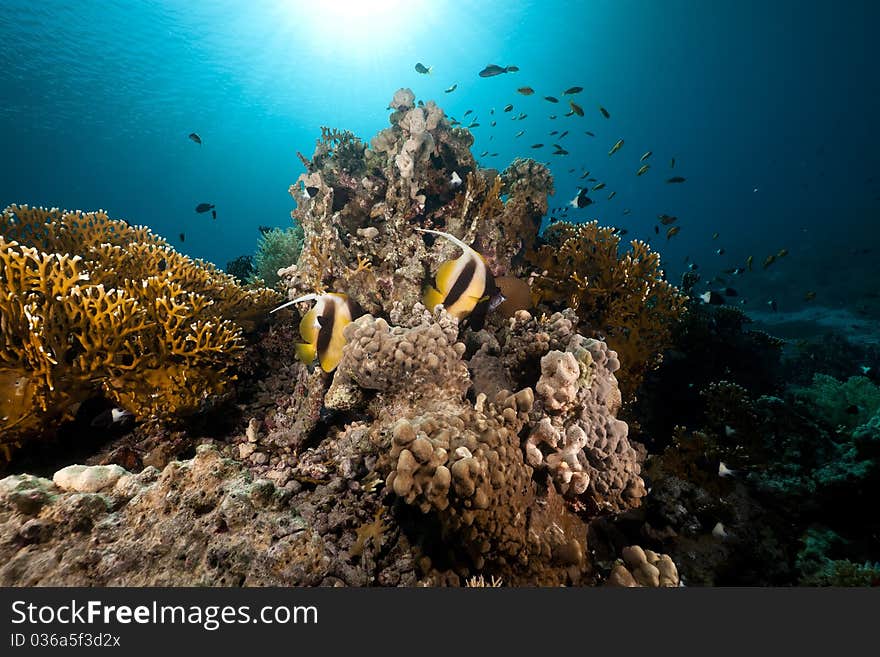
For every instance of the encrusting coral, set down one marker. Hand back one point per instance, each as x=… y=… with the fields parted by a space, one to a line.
x=622 y=298
x=91 y=305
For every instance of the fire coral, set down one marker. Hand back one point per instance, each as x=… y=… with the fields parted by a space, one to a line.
x=624 y=299
x=92 y=305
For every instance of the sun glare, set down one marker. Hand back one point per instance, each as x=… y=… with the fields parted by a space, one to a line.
x=357 y=27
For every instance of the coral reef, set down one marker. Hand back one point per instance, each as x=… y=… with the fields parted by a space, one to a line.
x=638 y=567
x=242 y=267
x=841 y=403
x=437 y=452
x=202 y=522
x=95 y=306
x=621 y=298
x=276 y=249
x=710 y=344
x=359 y=208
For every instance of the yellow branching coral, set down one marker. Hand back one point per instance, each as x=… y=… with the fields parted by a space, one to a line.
x=623 y=298
x=92 y=305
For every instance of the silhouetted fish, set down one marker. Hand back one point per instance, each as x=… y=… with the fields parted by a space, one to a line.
x=204 y=207
x=195 y=138
x=493 y=69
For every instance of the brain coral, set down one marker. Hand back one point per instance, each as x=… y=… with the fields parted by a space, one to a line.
x=91 y=305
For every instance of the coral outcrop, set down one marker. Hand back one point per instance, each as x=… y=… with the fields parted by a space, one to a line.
x=621 y=298
x=91 y=305
x=433 y=454
x=638 y=567
x=359 y=207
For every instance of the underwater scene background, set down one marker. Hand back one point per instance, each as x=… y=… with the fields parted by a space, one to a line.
x=719 y=407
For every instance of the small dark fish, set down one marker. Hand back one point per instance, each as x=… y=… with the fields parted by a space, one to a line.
x=493 y=69
x=564 y=132
x=265 y=229
x=672 y=163
x=520 y=133
x=552 y=117
x=673 y=230
x=311 y=191
x=585 y=174
x=492 y=112
x=782 y=253
x=676 y=179
x=622 y=231
x=195 y=138
x=617 y=146
x=474 y=125
x=554 y=132
x=712 y=297
x=526 y=91
x=467 y=112
x=666 y=219
x=162 y=265
x=508 y=107
x=581 y=200
x=852 y=409
x=182 y=237
x=809 y=296
x=604 y=112
x=560 y=151
x=572 y=90
x=719 y=251
x=537 y=145
x=213 y=214
x=521 y=116
x=656 y=230
x=421 y=68
x=643 y=169
x=773 y=305
x=588 y=133
x=493 y=154
x=577 y=109
x=612 y=195
x=494 y=123
x=645 y=156
x=111 y=417
x=204 y=207
x=769 y=260
x=551 y=99
x=749 y=262
x=451 y=89
x=484 y=153
x=598 y=186
x=626 y=211
x=714 y=236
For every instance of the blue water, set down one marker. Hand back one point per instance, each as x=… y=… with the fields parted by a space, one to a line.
x=770 y=109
